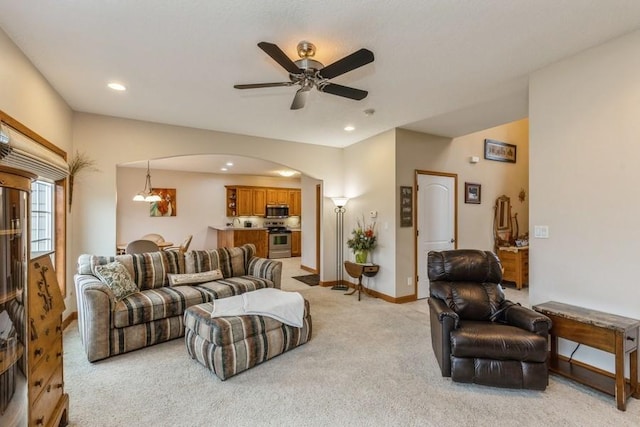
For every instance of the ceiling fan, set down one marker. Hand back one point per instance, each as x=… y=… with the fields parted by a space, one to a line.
x=308 y=73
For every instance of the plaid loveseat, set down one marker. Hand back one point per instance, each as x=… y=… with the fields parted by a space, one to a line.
x=109 y=326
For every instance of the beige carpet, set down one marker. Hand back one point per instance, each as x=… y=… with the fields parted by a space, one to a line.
x=369 y=363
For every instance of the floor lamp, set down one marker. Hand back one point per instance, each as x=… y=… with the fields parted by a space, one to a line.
x=340 y=202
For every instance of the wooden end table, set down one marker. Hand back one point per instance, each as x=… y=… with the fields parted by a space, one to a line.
x=356 y=271
x=608 y=332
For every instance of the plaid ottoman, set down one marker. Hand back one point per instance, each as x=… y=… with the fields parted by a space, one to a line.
x=230 y=345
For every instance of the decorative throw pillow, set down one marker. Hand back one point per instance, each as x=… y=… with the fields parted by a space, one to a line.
x=116 y=276
x=194 y=278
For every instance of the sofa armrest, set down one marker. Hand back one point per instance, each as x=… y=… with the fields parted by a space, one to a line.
x=96 y=303
x=266 y=269
x=526 y=318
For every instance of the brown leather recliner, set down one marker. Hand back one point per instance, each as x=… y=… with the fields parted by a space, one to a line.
x=478 y=336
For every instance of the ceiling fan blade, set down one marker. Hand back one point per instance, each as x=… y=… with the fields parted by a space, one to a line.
x=259 y=85
x=280 y=57
x=350 y=62
x=301 y=98
x=347 y=92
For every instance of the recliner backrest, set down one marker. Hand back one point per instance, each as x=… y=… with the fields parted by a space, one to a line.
x=464 y=265
x=468 y=281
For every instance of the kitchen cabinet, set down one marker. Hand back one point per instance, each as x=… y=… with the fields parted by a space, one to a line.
x=243 y=200
x=259 y=201
x=231 y=201
x=296 y=243
x=239 y=201
x=277 y=196
x=295 y=203
x=234 y=237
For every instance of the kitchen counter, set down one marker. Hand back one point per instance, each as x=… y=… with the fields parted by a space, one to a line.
x=229 y=237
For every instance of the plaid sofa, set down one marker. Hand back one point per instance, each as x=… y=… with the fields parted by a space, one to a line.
x=155 y=314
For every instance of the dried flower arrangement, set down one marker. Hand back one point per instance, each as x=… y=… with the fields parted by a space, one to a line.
x=78 y=163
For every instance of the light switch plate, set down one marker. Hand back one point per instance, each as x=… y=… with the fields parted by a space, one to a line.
x=541 y=231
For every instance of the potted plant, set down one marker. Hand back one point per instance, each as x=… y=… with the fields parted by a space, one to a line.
x=363 y=239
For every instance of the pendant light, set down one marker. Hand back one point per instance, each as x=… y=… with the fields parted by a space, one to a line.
x=146 y=195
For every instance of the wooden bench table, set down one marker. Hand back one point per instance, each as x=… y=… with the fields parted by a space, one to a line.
x=607 y=332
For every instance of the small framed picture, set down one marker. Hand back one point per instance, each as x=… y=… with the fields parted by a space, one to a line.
x=406 y=206
x=499 y=151
x=472 y=193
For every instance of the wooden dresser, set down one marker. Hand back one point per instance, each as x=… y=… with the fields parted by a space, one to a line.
x=515 y=261
x=48 y=403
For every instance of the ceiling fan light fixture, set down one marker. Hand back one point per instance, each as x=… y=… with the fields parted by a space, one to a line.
x=309 y=73
x=306 y=49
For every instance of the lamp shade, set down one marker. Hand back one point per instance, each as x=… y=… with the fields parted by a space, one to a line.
x=340 y=201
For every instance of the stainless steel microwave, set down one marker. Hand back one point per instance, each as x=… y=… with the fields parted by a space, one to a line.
x=276 y=211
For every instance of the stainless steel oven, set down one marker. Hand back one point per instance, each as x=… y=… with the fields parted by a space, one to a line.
x=279 y=239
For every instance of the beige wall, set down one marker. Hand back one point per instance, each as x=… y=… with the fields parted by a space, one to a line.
x=438 y=154
x=369 y=183
x=26 y=96
x=200 y=204
x=584 y=152
x=308 y=221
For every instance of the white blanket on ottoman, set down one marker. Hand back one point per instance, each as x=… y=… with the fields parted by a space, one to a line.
x=286 y=307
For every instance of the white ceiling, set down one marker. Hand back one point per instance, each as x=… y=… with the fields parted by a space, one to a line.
x=213 y=163
x=447 y=67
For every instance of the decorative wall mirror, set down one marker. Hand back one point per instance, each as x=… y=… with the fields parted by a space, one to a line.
x=503 y=230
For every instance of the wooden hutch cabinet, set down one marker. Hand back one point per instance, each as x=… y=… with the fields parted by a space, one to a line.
x=31 y=306
x=49 y=405
x=515 y=261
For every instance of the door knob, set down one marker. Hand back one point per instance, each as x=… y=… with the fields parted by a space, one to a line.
x=453 y=240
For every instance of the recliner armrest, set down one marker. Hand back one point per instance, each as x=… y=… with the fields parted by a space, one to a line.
x=443 y=320
x=526 y=318
x=442 y=310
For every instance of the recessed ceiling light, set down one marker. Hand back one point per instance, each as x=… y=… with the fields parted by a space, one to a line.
x=229 y=163
x=117 y=86
x=287 y=173
x=224 y=169
x=349 y=128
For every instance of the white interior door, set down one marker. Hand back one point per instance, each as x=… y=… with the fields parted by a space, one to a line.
x=436 y=217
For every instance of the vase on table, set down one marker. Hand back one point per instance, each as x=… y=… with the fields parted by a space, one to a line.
x=361 y=256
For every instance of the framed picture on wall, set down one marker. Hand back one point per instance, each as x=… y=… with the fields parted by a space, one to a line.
x=472 y=193
x=167 y=206
x=406 y=206
x=499 y=151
